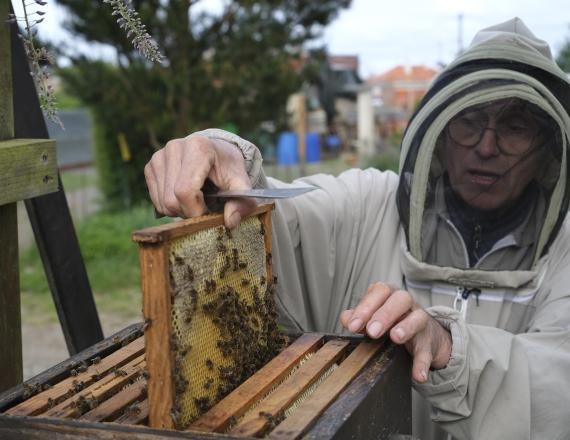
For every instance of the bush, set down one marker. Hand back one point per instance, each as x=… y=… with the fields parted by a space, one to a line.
x=110 y=256
x=385 y=161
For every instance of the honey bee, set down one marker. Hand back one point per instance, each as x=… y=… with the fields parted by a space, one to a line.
x=120 y=373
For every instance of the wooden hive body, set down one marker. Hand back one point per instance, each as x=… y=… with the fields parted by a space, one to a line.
x=319 y=386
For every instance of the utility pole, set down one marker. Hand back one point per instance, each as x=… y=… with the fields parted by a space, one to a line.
x=459 y=33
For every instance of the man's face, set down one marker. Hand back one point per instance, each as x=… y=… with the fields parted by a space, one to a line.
x=490 y=153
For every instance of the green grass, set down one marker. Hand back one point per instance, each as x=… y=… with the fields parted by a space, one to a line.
x=77 y=179
x=111 y=259
x=65 y=101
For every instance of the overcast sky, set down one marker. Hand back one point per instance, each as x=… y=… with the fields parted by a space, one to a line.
x=385 y=33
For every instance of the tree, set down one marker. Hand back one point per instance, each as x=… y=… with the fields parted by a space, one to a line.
x=231 y=67
x=563 y=58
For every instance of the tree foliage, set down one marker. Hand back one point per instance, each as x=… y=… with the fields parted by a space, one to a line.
x=563 y=58
x=233 y=66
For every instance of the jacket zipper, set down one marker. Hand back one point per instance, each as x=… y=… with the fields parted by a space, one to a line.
x=461 y=301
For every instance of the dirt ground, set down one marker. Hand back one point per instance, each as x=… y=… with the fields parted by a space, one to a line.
x=44 y=345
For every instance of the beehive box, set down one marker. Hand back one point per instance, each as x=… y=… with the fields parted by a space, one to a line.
x=374 y=404
x=210 y=328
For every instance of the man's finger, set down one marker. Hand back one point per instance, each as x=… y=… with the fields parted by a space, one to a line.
x=198 y=157
x=236 y=209
x=409 y=327
x=173 y=164
x=375 y=297
x=422 y=360
x=157 y=164
x=397 y=305
x=152 y=186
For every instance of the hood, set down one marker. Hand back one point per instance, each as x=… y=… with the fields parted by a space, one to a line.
x=505 y=66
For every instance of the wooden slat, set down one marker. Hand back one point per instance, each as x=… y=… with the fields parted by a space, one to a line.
x=52 y=223
x=10 y=321
x=10 y=317
x=157 y=312
x=99 y=390
x=308 y=411
x=28 y=168
x=60 y=371
x=263 y=415
x=239 y=400
x=170 y=231
x=136 y=416
x=6 y=97
x=39 y=403
x=112 y=407
x=267 y=226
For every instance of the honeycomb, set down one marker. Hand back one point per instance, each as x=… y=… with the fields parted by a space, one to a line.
x=223 y=319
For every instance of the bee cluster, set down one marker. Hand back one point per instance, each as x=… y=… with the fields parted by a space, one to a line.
x=224 y=322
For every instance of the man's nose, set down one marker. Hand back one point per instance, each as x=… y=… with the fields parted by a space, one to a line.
x=487 y=146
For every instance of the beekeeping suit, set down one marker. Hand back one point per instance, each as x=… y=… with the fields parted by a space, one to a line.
x=479 y=237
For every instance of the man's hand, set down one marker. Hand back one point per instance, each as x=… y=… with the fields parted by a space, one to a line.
x=176 y=174
x=385 y=308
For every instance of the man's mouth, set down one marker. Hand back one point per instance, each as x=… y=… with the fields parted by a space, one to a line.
x=483 y=178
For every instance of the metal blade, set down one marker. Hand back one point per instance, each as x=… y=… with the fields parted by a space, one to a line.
x=266 y=193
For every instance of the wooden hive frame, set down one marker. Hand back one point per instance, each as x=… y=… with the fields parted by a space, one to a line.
x=154 y=245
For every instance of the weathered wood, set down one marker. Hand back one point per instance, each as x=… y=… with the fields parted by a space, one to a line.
x=111 y=408
x=238 y=401
x=377 y=404
x=28 y=168
x=6 y=93
x=259 y=419
x=52 y=224
x=60 y=371
x=32 y=428
x=170 y=231
x=40 y=402
x=102 y=389
x=268 y=227
x=138 y=415
x=10 y=317
x=309 y=410
x=156 y=309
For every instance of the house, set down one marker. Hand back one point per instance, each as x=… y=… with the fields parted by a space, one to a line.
x=396 y=93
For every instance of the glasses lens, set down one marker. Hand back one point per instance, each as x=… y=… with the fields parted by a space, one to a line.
x=516 y=126
x=467 y=129
x=516 y=133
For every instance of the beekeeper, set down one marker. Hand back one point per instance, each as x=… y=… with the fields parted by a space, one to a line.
x=464 y=256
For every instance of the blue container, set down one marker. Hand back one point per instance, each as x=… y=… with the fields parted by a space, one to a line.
x=333 y=142
x=287 y=153
x=313 y=147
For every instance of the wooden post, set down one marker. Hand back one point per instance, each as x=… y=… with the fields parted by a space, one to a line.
x=10 y=318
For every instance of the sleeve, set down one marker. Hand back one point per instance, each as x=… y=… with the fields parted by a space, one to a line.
x=324 y=251
x=250 y=152
x=500 y=385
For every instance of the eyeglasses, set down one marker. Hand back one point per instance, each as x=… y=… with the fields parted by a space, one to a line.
x=515 y=131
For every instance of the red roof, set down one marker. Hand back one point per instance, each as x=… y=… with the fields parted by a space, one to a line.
x=410 y=73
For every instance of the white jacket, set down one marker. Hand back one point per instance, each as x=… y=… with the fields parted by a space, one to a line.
x=509 y=372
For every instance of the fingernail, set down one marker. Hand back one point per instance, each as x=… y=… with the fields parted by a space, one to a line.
x=234 y=219
x=400 y=333
x=375 y=329
x=355 y=325
x=423 y=375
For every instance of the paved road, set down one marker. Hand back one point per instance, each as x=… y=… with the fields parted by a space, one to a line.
x=75 y=142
